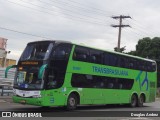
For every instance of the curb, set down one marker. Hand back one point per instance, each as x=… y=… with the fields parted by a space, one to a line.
x=5 y=97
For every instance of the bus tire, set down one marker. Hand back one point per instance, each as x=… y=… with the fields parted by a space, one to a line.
x=72 y=102
x=141 y=100
x=134 y=101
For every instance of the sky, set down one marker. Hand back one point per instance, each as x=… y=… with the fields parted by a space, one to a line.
x=85 y=22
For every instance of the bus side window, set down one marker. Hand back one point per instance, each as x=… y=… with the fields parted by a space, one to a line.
x=148 y=66
x=52 y=79
x=110 y=59
x=131 y=63
x=62 y=52
x=113 y=60
x=80 y=80
x=142 y=65
x=121 y=61
x=138 y=66
x=106 y=58
x=95 y=56
x=153 y=67
x=110 y=85
x=127 y=62
x=97 y=82
x=81 y=54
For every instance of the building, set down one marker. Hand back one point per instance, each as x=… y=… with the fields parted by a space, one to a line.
x=4 y=62
x=3 y=43
x=8 y=62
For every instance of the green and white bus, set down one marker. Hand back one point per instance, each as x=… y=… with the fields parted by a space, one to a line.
x=59 y=73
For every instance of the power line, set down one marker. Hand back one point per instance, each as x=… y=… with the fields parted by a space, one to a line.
x=73 y=17
x=24 y=33
x=141 y=28
x=67 y=10
x=81 y=7
x=91 y=7
x=62 y=9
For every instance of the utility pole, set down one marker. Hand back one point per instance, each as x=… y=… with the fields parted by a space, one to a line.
x=120 y=26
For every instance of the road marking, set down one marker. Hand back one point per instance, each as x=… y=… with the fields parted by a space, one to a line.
x=137 y=118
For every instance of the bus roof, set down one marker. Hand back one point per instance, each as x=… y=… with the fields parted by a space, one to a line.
x=55 y=41
x=118 y=53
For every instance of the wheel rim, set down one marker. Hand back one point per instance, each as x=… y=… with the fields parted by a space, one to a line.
x=72 y=102
x=133 y=101
x=141 y=100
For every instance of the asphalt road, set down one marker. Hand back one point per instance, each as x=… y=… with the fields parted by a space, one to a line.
x=98 y=112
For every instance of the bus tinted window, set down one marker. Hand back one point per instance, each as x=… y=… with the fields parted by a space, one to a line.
x=80 y=81
x=95 y=56
x=112 y=59
x=153 y=66
x=121 y=61
x=93 y=81
x=62 y=52
x=37 y=51
x=55 y=79
x=81 y=54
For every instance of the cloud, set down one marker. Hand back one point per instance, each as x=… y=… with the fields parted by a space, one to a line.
x=80 y=21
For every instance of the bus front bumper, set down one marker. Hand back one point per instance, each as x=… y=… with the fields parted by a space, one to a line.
x=43 y=101
x=29 y=101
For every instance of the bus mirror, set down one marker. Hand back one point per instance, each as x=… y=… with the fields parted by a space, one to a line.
x=41 y=71
x=8 y=68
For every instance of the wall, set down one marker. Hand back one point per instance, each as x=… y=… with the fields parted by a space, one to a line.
x=3 y=42
x=8 y=62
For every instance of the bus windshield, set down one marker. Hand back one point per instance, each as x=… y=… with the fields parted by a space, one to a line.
x=37 y=51
x=28 y=79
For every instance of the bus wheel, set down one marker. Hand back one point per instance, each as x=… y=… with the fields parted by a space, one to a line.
x=72 y=102
x=133 y=101
x=141 y=101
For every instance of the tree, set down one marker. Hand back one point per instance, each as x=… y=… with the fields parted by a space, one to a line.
x=122 y=49
x=148 y=48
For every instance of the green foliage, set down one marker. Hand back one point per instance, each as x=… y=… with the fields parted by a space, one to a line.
x=148 y=48
x=122 y=49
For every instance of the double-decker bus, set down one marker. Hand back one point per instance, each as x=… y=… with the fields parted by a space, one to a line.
x=59 y=73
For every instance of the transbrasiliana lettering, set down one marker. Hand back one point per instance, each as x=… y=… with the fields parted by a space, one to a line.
x=109 y=71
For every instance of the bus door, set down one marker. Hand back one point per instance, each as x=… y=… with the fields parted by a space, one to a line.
x=57 y=67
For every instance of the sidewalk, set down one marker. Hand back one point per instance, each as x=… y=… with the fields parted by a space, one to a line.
x=157 y=99
x=5 y=99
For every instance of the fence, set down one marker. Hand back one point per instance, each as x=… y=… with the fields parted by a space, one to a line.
x=6 y=84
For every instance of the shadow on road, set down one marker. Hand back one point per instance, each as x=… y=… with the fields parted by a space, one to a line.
x=79 y=108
